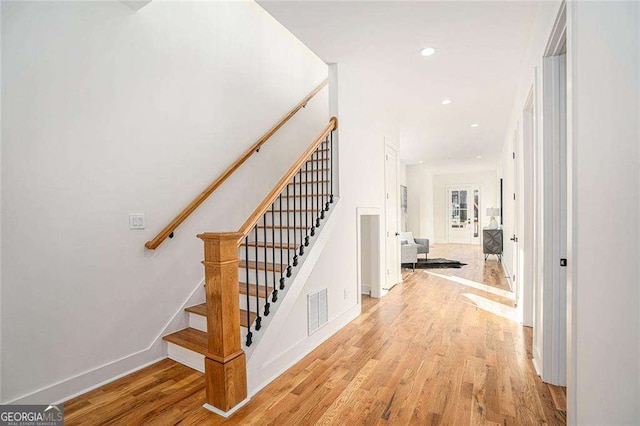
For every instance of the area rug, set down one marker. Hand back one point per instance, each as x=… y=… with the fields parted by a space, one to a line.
x=435 y=263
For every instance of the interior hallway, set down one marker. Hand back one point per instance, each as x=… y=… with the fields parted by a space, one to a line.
x=440 y=348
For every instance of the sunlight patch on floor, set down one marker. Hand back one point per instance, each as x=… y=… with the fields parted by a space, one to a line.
x=493 y=307
x=473 y=284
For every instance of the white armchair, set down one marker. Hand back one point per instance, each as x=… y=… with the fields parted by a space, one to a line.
x=411 y=247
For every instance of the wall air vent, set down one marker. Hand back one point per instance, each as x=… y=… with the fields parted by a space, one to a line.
x=318 y=310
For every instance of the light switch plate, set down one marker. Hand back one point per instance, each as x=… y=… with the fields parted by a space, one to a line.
x=136 y=221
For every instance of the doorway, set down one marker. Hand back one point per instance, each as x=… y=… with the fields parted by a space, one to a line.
x=463 y=214
x=369 y=249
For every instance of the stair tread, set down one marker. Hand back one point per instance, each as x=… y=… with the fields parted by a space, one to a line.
x=279 y=226
x=261 y=265
x=189 y=338
x=242 y=287
x=270 y=245
x=315 y=170
x=201 y=309
x=306 y=195
x=310 y=182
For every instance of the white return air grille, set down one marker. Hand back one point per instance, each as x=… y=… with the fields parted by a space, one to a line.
x=318 y=310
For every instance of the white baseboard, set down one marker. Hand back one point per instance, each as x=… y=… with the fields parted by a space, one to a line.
x=226 y=414
x=507 y=274
x=81 y=383
x=365 y=289
x=536 y=367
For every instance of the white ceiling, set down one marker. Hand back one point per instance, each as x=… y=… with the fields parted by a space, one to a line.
x=479 y=50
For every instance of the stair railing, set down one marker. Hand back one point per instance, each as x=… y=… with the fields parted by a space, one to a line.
x=298 y=202
x=168 y=231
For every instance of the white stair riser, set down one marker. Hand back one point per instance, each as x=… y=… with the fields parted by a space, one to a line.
x=187 y=357
x=199 y=322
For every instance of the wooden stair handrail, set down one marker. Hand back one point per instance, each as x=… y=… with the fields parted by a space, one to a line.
x=277 y=190
x=184 y=214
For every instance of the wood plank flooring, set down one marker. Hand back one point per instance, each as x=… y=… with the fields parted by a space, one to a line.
x=441 y=348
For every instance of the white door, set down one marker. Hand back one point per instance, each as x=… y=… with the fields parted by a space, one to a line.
x=391 y=214
x=463 y=214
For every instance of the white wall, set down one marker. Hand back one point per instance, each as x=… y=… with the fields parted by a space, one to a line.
x=604 y=59
x=420 y=207
x=603 y=334
x=108 y=111
x=488 y=197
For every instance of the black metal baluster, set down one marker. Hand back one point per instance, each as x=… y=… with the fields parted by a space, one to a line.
x=331 y=165
x=274 y=297
x=288 y=241
x=322 y=185
x=318 y=205
x=301 y=223
x=306 y=206
x=246 y=271
x=281 y=245
x=258 y=318
x=266 y=268
x=295 y=237
x=325 y=184
x=313 y=201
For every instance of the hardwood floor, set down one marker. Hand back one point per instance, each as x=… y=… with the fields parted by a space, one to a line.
x=440 y=348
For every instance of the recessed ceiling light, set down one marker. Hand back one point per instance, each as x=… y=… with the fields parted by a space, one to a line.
x=446 y=101
x=420 y=161
x=478 y=156
x=427 y=51
x=475 y=125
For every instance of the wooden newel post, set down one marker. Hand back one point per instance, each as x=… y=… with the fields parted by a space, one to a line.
x=225 y=363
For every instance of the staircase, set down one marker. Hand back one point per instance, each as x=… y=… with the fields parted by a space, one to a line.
x=246 y=272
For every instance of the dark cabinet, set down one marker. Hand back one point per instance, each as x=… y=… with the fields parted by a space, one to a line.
x=492 y=242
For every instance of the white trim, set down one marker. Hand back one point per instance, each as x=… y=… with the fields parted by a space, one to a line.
x=226 y=414
x=536 y=366
x=86 y=381
x=390 y=145
x=569 y=10
x=527 y=214
x=554 y=229
x=505 y=269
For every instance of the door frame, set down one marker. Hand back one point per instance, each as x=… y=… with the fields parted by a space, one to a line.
x=528 y=168
x=390 y=145
x=447 y=203
x=553 y=225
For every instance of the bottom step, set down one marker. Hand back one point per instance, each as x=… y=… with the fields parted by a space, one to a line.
x=189 y=346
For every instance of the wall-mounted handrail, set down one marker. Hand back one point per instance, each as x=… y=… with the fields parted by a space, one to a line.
x=184 y=214
x=277 y=190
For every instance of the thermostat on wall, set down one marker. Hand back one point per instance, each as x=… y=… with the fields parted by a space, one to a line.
x=136 y=221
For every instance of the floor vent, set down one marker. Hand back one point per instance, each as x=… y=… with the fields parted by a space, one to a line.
x=318 y=310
